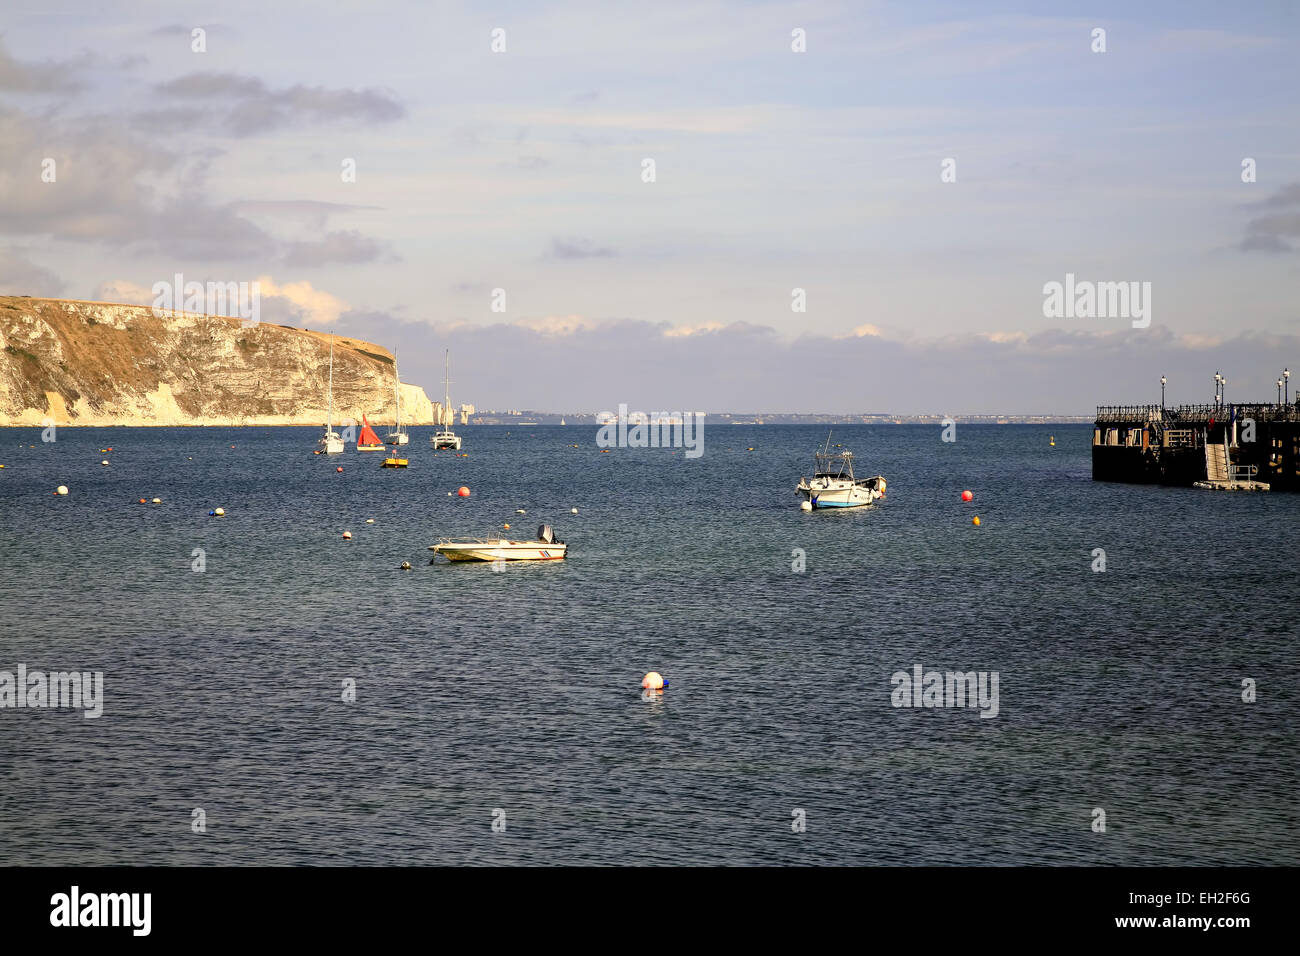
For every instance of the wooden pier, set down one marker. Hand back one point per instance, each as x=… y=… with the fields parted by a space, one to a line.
x=1225 y=447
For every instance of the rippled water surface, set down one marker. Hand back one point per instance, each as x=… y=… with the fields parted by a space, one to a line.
x=518 y=690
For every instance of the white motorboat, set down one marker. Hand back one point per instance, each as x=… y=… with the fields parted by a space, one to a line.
x=398 y=435
x=547 y=547
x=445 y=437
x=331 y=443
x=833 y=484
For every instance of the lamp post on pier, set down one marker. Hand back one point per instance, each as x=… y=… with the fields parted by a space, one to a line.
x=1223 y=391
x=1286 y=386
x=1279 y=391
x=1162 y=392
x=1217 y=379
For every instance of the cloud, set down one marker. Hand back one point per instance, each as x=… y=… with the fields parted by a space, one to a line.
x=107 y=190
x=50 y=76
x=298 y=303
x=579 y=249
x=251 y=107
x=347 y=246
x=124 y=292
x=743 y=367
x=20 y=276
x=1281 y=222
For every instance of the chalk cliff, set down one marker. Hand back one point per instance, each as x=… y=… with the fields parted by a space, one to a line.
x=95 y=363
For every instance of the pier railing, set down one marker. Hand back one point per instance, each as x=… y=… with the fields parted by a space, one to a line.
x=1192 y=415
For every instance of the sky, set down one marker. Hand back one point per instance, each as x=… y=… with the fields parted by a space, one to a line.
x=921 y=171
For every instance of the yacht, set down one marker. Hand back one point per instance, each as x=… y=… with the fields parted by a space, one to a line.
x=398 y=435
x=331 y=443
x=445 y=437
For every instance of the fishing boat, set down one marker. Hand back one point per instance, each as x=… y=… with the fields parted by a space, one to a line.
x=445 y=437
x=330 y=443
x=398 y=435
x=368 y=440
x=833 y=484
x=547 y=547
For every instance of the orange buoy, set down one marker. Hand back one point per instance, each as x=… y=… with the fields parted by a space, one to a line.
x=463 y=491
x=966 y=496
x=339 y=468
x=975 y=521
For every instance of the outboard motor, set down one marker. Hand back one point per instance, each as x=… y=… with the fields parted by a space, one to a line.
x=544 y=533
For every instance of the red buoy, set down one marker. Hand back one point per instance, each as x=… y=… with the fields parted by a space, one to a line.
x=463 y=491
x=966 y=496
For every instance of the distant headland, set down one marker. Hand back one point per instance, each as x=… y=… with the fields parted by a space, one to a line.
x=96 y=363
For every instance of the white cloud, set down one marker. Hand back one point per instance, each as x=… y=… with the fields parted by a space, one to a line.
x=311 y=305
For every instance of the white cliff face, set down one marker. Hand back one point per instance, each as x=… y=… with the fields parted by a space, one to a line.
x=94 y=363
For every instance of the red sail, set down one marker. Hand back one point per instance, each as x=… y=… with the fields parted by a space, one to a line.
x=368 y=436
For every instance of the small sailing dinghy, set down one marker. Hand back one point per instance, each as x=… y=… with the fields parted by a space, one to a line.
x=547 y=547
x=368 y=440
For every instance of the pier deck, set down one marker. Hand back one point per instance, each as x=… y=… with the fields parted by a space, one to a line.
x=1222 y=447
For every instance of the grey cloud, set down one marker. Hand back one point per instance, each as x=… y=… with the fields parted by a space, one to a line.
x=49 y=76
x=247 y=106
x=347 y=246
x=312 y=213
x=100 y=194
x=20 y=276
x=579 y=249
x=1272 y=231
x=748 y=367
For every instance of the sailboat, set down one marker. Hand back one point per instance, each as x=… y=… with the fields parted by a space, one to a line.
x=368 y=440
x=330 y=443
x=398 y=435
x=445 y=437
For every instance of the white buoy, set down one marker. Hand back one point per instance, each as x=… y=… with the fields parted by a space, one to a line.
x=104 y=462
x=805 y=506
x=406 y=565
x=157 y=501
x=370 y=521
x=573 y=511
x=520 y=511
x=220 y=512
x=61 y=490
x=347 y=535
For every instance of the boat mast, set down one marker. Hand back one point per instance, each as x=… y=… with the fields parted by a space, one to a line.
x=397 y=399
x=446 y=397
x=329 y=413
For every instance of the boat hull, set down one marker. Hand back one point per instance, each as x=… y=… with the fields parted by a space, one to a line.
x=837 y=494
x=398 y=438
x=500 y=551
x=445 y=441
x=371 y=448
